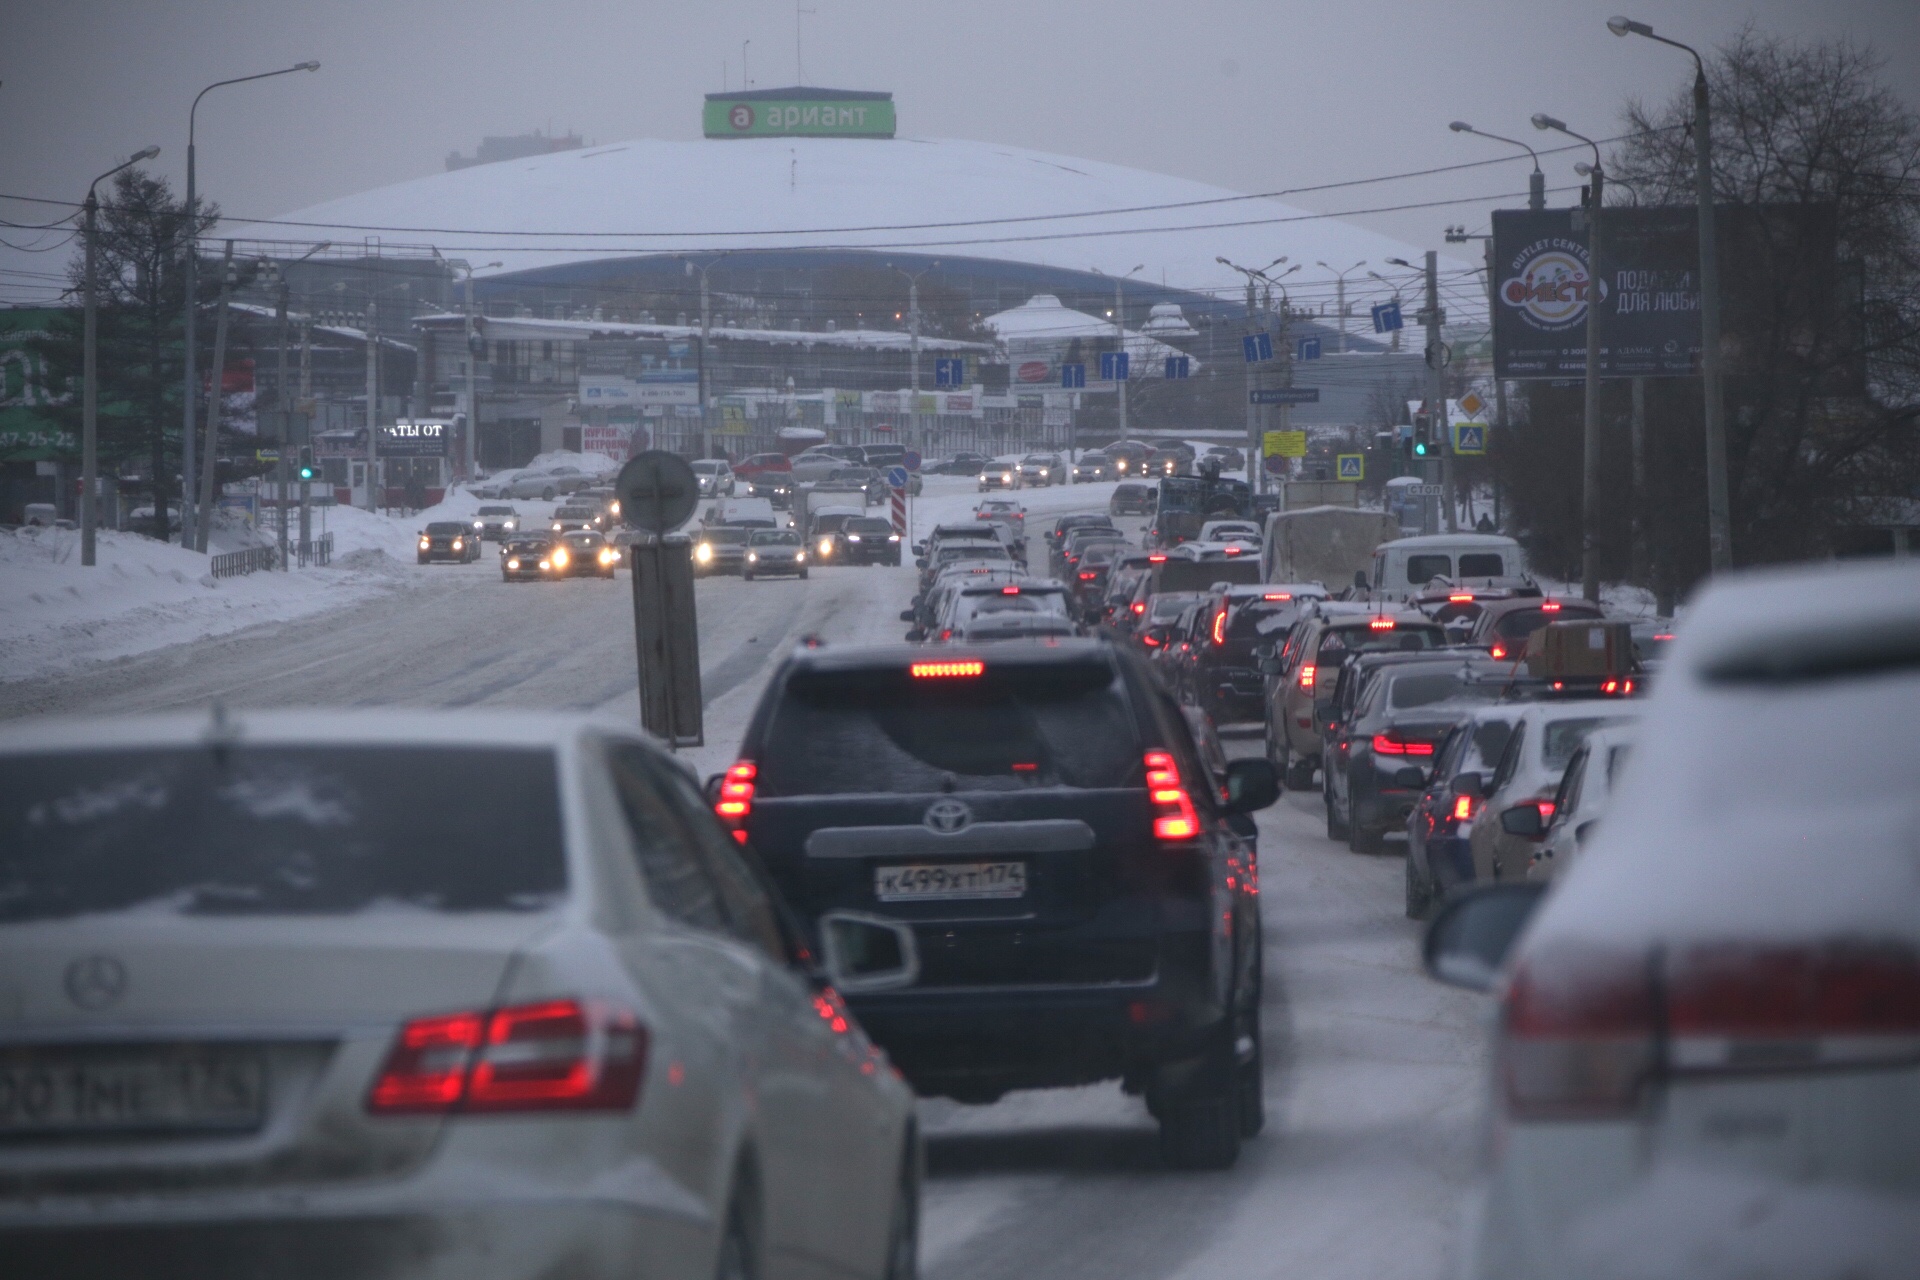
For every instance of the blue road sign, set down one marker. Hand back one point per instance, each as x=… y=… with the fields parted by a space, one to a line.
x=896 y=477
x=950 y=372
x=1386 y=317
x=1309 y=349
x=912 y=459
x=1257 y=347
x=1285 y=395
x=1469 y=437
x=1113 y=366
x=1073 y=375
x=1350 y=466
x=1179 y=367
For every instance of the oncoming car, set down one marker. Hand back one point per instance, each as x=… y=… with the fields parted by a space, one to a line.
x=452 y=540
x=775 y=551
x=424 y=994
x=720 y=549
x=496 y=523
x=526 y=559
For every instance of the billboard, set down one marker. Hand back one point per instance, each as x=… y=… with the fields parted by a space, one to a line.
x=414 y=438
x=1649 y=295
x=802 y=114
x=667 y=386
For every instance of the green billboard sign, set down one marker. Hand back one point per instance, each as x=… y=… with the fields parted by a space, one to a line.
x=798 y=113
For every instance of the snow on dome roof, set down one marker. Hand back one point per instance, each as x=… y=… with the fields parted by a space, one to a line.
x=1044 y=321
x=1167 y=321
x=653 y=196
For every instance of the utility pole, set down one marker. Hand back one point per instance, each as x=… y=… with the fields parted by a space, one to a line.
x=373 y=408
x=706 y=335
x=913 y=330
x=1340 y=298
x=1499 y=383
x=1253 y=410
x=1638 y=420
x=282 y=403
x=1433 y=317
x=216 y=376
x=1590 y=450
x=306 y=398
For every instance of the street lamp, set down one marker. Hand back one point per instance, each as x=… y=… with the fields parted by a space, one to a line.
x=1120 y=334
x=913 y=329
x=1255 y=451
x=193 y=251
x=90 y=381
x=706 y=325
x=1719 y=520
x=1590 y=427
x=281 y=398
x=475 y=344
x=1340 y=297
x=1536 y=181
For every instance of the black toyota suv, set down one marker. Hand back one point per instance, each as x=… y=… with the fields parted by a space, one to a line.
x=1039 y=812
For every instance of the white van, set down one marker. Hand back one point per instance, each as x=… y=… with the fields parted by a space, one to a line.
x=1403 y=566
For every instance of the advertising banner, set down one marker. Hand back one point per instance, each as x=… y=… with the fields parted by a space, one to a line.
x=840 y=116
x=612 y=440
x=1649 y=293
x=1284 y=444
x=666 y=387
x=414 y=438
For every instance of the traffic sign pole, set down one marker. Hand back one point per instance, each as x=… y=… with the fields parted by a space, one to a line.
x=658 y=491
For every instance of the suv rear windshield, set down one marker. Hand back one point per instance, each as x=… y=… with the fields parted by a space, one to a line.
x=1008 y=729
x=279 y=830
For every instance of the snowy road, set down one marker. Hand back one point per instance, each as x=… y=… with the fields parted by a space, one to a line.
x=1373 y=1071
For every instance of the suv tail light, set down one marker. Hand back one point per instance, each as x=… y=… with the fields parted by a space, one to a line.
x=735 y=804
x=1173 y=813
x=1306 y=675
x=1462 y=808
x=1220 y=627
x=1388 y=746
x=569 y=1055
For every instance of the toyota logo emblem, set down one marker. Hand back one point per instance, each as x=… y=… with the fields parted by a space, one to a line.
x=948 y=816
x=94 y=982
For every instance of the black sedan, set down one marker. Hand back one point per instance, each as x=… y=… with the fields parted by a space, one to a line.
x=453 y=540
x=525 y=559
x=866 y=540
x=1131 y=500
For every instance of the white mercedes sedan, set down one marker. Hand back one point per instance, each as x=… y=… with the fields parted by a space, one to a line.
x=423 y=994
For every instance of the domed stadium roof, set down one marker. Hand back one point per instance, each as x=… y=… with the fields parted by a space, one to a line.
x=900 y=195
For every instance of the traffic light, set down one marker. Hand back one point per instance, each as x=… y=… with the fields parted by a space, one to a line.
x=1422 y=435
x=306 y=462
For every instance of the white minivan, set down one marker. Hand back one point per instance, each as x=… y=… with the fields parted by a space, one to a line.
x=1403 y=566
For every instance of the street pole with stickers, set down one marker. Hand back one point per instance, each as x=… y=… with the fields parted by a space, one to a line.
x=658 y=491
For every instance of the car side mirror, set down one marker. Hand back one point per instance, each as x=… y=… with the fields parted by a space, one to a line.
x=1251 y=784
x=862 y=953
x=1469 y=940
x=906 y=615
x=919 y=548
x=1271 y=666
x=1523 y=820
x=1360 y=581
x=920 y=563
x=1467 y=784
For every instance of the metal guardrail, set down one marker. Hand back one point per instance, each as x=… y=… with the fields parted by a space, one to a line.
x=319 y=551
x=235 y=563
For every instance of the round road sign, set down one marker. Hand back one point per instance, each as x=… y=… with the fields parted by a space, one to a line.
x=897 y=477
x=912 y=460
x=658 y=490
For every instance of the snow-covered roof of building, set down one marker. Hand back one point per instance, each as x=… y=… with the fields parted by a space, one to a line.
x=519 y=330
x=946 y=197
x=1044 y=321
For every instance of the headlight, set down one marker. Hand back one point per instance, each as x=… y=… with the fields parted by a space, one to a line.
x=753 y=557
x=512 y=524
x=799 y=556
x=853 y=537
x=556 y=526
x=560 y=558
x=893 y=537
x=457 y=544
x=477 y=524
x=545 y=564
x=703 y=553
x=513 y=564
x=607 y=556
x=615 y=508
x=826 y=546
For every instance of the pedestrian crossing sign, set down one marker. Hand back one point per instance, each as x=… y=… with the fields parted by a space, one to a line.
x=1350 y=466
x=1469 y=438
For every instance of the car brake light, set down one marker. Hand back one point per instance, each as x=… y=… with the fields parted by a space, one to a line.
x=558 y=1054
x=947 y=670
x=1551 y=606
x=1088 y=577
x=735 y=804
x=1578 y=1037
x=1462 y=808
x=1386 y=746
x=1009 y=591
x=1150 y=642
x=1156 y=558
x=1381 y=624
x=1466 y=599
x=1220 y=627
x=1278 y=595
x=1499 y=651
x=1174 y=816
x=1663 y=635
x=1306 y=675
x=1139 y=607
x=1772 y=1007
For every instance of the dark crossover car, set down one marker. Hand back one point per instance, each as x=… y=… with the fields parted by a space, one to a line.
x=1131 y=500
x=526 y=559
x=453 y=540
x=1039 y=813
x=582 y=553
x=866 y=540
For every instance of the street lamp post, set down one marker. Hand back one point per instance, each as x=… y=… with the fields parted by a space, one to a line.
x=474 y=346
x=706 y=330
x=1590 y=425
x=1120 y=337
x=913 y=329
x=89 y=372
x=189 y=513
x=1340 y=297
x=1536 y=181
x=1255 y=457
x=1719 y=517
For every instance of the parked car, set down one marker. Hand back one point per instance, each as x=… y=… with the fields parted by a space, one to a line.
x=960 y=464
x=1229 y=458
x=425 y=993
x=546 y=485
x=1703 y=1058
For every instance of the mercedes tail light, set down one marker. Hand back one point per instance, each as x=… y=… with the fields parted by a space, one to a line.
x=568 y=1055
x=1579 y=1034
x=1174 y=817
x=1388 y=745
x=735 y=804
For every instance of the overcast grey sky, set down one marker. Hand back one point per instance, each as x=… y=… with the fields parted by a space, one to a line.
x=1249 y=95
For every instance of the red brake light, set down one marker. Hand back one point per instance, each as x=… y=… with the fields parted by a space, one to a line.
x=1088 y=577
x=1499 y=651
x=1174 y=815
x=1663 y=635
x=1462 y=808
x=736 y=798
x=1550 y=606
x=1009 y=591
x=1306 y=675
x=1760 y=1007
x=1139 y=606
x=1220 y=627
x=558 y=1054
x=1150 y=642
x=1381 y=624
x=1231 y=551
x=948 y=670
x=1578 y=1034
x=1386 y=746
x=1465 y=599
x=1156 y=558
x=1278 y=595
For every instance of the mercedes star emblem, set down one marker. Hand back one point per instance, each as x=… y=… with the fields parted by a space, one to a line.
x=948 y=816
x=94 y=982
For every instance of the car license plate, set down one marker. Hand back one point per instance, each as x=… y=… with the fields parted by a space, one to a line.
x=67 y=1094
x=933 y=882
